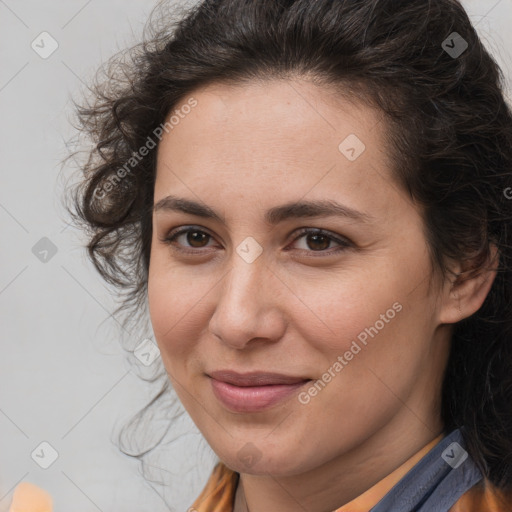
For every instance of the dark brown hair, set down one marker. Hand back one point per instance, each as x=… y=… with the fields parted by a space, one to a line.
x=450 y=142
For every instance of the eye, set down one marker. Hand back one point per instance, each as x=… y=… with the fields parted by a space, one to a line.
x=319 y=240
x=192 y=235
x=316 y=240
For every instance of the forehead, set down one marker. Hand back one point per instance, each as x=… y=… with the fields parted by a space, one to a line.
x=267 y=137
x=263 y=110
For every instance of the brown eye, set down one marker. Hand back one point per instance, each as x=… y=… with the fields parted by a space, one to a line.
x=190 y=238
x=196 y=238
x=318 y=240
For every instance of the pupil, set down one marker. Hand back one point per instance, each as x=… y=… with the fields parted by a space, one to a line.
x=196 y=236
x=316 y=237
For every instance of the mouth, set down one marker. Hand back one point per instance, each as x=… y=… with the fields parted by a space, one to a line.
x=252 y=392
x=255 y=378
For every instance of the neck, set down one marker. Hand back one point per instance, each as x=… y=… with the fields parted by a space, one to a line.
x=367 y=473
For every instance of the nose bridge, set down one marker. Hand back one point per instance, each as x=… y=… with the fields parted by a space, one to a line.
x=243 y=281
x=245 y=308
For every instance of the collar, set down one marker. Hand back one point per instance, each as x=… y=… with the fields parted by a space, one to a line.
x=443 y=473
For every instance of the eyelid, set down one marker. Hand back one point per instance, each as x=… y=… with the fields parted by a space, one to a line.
x=343 y=242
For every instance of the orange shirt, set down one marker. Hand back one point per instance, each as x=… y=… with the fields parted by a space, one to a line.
x=28 y=497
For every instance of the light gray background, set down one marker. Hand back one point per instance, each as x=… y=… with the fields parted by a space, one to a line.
x=64 y=377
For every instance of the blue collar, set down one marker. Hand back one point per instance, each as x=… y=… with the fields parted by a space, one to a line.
x=436 y=482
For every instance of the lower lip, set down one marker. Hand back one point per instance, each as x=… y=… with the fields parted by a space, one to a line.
x=252 y=398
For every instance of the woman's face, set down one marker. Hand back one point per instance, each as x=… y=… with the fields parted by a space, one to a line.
x=252 y=288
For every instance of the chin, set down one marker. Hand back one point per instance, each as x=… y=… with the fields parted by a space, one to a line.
x=264 y=461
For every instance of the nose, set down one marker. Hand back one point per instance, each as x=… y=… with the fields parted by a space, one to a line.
x=249 y=305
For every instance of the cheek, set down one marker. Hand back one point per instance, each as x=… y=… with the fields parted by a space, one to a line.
x=165 y=288
x=334 y=311
x=369 y=319
x=374 y=348
x=175 y=307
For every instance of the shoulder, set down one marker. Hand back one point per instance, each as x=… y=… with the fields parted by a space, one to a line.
x=484 y=497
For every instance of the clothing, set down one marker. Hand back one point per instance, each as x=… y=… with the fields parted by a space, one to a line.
x=28 y=497
x=445 y=479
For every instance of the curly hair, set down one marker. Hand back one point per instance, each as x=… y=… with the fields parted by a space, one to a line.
x=450 y=143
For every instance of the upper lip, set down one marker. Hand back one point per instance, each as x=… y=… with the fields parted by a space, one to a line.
x=255 y=378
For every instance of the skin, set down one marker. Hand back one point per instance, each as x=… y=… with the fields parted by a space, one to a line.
x=243 y=150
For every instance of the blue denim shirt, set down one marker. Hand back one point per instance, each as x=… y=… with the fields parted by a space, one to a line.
x=436 y=482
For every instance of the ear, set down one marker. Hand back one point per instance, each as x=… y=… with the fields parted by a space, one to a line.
x=465 y=295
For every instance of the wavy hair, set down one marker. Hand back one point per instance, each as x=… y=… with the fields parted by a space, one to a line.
x=450 y=144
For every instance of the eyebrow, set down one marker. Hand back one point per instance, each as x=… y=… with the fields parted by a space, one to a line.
x=277 y=214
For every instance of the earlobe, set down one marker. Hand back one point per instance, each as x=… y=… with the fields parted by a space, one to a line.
x=465 y=295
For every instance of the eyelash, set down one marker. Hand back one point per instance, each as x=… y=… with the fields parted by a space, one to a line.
x=344 y=243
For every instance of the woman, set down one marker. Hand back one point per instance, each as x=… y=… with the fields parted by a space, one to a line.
x=314 y=198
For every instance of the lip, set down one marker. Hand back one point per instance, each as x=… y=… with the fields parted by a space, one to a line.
x=254 y=378
x=252 y=392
